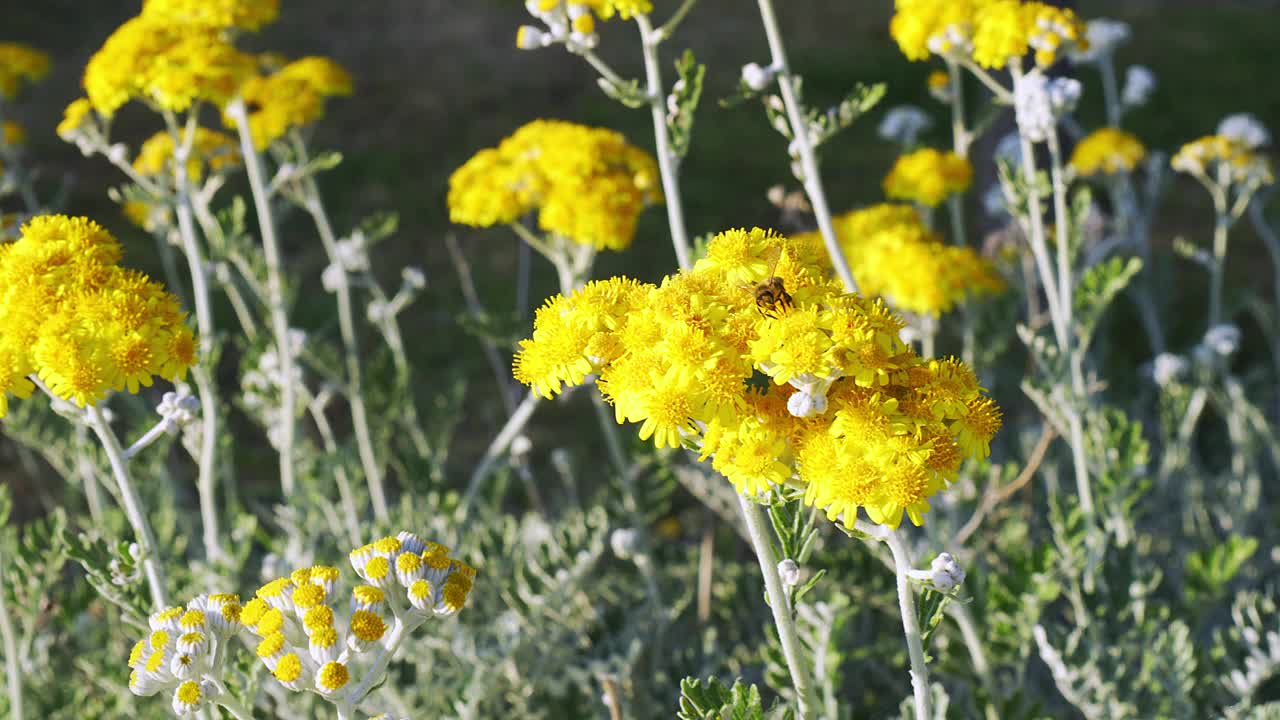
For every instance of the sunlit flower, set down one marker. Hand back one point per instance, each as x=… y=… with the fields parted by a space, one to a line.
x=1107 y=151
x=243 y=14
x=291 y=97
x=1217 y=159
x=587 y=184
x=683 y=360
x=928 y=176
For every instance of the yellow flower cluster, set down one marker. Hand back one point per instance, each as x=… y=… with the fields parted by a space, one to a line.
x=894 y=256
x=587 y=184
x=789 y=381
x=18 y=64
x=169 y=66
x=1107 y=151
x=989 y=31
x=181 y=649
x=300 y=640
x=242 y=14
x=928 y=176
x=218 y=151
x=603 y=8
x=291 y=97
x=1216 y=157
x=78 y=321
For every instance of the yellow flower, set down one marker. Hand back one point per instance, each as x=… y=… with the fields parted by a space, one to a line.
x=938 y=81
x=18 y=64
x=847 y=410
x=291 y=97
x=927 y=27
x=165 y=65
x=894 y=256
x=587 y=184
x=243 y=14
x=1215 y=158
x=1107 y=151
x=209 y=147
x=13 y=133
x=74 y=118
x=82 y=324
x=928 y=176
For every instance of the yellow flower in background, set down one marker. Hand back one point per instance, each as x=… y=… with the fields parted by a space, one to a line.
x=1214 y=156
x=928 y=176
x=894 y=256
x=938 y=81
x=243 y=14
x=20 y=64
x=846 y=411
x=81 y=323
x=13 y=133
x=291 y=97
x=209 y=148
x=587 y=184
x=988 y=31
x=168 y=66
x=1107 y=151
x=74 y=118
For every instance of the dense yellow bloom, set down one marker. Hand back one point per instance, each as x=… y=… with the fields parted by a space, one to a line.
x=18 y=64
x=928 y=176
x=169 y=66
x=847 y=411
x=78 y=321
x=1219 y=158
x=209 y=148
x=603 y=8
x=989 y=31
x=938 y=81
x=894 y=256
x=74 y=118
x=243 y=14
x=291 y=97
x=1107 y=151
x=587 y=184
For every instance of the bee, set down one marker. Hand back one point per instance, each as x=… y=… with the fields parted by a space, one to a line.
x=772 y=298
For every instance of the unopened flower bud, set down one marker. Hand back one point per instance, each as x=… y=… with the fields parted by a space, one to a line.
x=624 y=542
x=790 y=571
x=757 y=78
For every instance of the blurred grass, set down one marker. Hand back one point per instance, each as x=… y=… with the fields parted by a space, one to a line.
x=437 y=80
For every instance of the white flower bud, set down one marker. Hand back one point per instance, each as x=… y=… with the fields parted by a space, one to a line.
x=903 y=124
x=790 y=571
x=757 y=78
x=624 y=542
x=1245 y=129
x=1223 y=339
x=1168 y=368
x=118 y=153
x=332 y=277
x=1040 y=101
x=414 y=278
x=1139 y=83
x=945 y=572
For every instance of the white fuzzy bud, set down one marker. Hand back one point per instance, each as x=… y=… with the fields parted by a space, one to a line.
x=118 y=153
x=904 y=124
x=624 y=542
x=1245 y=129
x=413 y=278
x=1167 y=368
x=1139 y=83
x=756 y=77
x=945 y=572
x=789 y=570
x=1223 y=339
x=1040 y=101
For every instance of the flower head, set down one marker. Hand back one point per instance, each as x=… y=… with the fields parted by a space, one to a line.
x=587 y=184
x=168 y=66
x=1218 y=159
x=209 y=148
x=928 y=176
x=704 y=361
x=20 y=64
x=85 y=326
x=292 y=96
x=1107 y=151
x=991 y=32
x=242 y=14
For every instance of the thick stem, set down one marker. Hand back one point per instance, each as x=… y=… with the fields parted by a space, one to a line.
x=515 y=425
x=804 y=147
x=1217 y=271
x=12 y=669
x=1061 y=230
x=351 y=354
x=779 y=604
x=1035 y=221
x=275 y=291
x=910 y=624
x=132 y=506
x=668 y=163
x=207 y=477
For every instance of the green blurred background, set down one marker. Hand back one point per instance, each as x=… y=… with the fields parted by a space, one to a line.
x=437 y=80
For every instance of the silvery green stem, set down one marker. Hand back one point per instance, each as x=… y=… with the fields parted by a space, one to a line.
x=910 y=624
x=350 y=515
x=1110 y=95
x=515 y=424
x=1061 y=230
x=132 y=506
x=275 y=290
x=1217 y=271
x=238 y=711
x=12 y=669
x=804 y=147
x=400 y=629
x=779 y=605
x=667 y=161
x=93 y=494
x=351 y=353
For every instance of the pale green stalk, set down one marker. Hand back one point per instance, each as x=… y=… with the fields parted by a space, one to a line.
x=1217 y=271
x=151 y=565
x=780 y=606
x=351 y=517
x=804 y=147
x=910 y=624
x=350 y=344
x=12 y=669
x=275 y=291
x=207 y=475
x=514 y=426
x=668 y=163
x=1110 y=95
